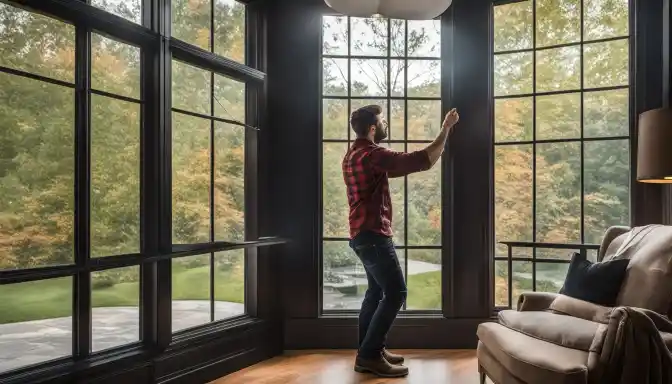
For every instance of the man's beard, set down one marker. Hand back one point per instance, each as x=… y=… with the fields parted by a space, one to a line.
x=381 y=133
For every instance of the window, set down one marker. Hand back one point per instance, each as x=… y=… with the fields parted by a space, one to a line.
x=213 y=25
x=208 y=161
x=561 y=121
x=395 y=64
x=39 y=187
x=85 y=188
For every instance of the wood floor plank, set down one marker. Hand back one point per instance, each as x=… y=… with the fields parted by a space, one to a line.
x=335 y=367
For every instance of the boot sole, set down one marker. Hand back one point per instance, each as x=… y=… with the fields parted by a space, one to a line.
x=360 y=369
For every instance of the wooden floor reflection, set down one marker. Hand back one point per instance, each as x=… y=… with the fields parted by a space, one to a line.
x=335 y=367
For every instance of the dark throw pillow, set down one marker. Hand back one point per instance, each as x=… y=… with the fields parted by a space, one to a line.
x=598 y=283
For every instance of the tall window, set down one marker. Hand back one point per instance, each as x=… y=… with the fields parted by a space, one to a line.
x=43 y=200
x=82 y=177
x=208 y=161
x=395 y=64
x=561 y=121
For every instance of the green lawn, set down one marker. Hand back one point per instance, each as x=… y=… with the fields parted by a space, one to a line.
x=52 y=298
x=424 y=291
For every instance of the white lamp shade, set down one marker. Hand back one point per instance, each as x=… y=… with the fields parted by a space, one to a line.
x=355 y=8
x=396 y=9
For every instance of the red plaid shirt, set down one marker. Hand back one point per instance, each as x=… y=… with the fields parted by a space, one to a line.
x=366 y=168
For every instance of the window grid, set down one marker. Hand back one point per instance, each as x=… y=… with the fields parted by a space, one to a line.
x=154 y=45
x=388 y=98
x=582 y=90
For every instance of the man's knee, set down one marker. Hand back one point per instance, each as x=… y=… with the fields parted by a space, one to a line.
x=396 y=296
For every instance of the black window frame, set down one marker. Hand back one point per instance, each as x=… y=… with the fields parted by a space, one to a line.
x=445 y=60
x=582 y=247
x=152 y=36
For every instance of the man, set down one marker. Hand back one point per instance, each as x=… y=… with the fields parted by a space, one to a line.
x=366 y=169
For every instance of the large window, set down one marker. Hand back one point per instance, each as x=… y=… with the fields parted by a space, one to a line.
x=561 y=121
x=208 y=194
x=91 y=231
x=395 y=64
x=208 y=163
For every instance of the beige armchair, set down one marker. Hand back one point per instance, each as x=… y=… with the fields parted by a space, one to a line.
x=552 y=338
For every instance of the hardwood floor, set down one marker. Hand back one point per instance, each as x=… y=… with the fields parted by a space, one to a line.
x=335 y=367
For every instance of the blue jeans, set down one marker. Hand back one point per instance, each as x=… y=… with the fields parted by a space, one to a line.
x=386 y=292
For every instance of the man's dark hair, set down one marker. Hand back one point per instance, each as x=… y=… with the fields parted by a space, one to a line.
x=363 y=118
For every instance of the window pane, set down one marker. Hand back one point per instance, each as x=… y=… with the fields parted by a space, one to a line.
x=128 y=9
x=397 y=191
x=359 y=103
x=191 y=179
x=424 y=279
x=115 y=176
x=229 y=182
x=558 y=194
x=424 y=119
x=191 y=292
x=335 y=35
x=229 y=27
x=606 y=113
x=191 y=88
x=369 y=77
x=605 y=19
x=368 y=36
x=551 y=276
x=191 y=22
x=606 y=186
x=229 y=284
x=35 y=322
x=559 y=116
x=513 y=194
x=513 y=74
x=513 y=119
x=115 y=67
x=335 y=119
x=37 y=44
x=344 y=279
x=398 y=38
x=335 y=77
x=513 y=26
x=605 y=64
x=397 y=123
x=424 y=205
x=398 y=75
x=424 y=78
x=558 y=22
x=334 y=198
x=36 y=173
x=229 y=98
x=522 y=279
x=558 y=69
x=501 y=283
x=424 y=38
x=115 y=297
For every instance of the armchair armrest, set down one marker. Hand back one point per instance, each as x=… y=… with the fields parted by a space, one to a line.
x=535 y=301
x=570 y=306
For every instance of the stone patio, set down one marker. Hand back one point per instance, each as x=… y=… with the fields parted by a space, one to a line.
x=34 y=342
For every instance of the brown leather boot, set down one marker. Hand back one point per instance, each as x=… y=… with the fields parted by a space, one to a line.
x=379 y=367
x=393 y=358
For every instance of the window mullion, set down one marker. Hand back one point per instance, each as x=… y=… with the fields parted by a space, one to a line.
x=82 y=279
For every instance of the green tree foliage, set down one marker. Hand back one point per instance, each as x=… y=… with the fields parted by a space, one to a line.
x=558 y=165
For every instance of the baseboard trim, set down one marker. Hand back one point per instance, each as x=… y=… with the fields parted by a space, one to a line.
x=407 y=333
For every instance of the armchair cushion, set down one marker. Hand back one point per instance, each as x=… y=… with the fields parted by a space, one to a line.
x=527 y=358
x=598 y=283
x=566 y=331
